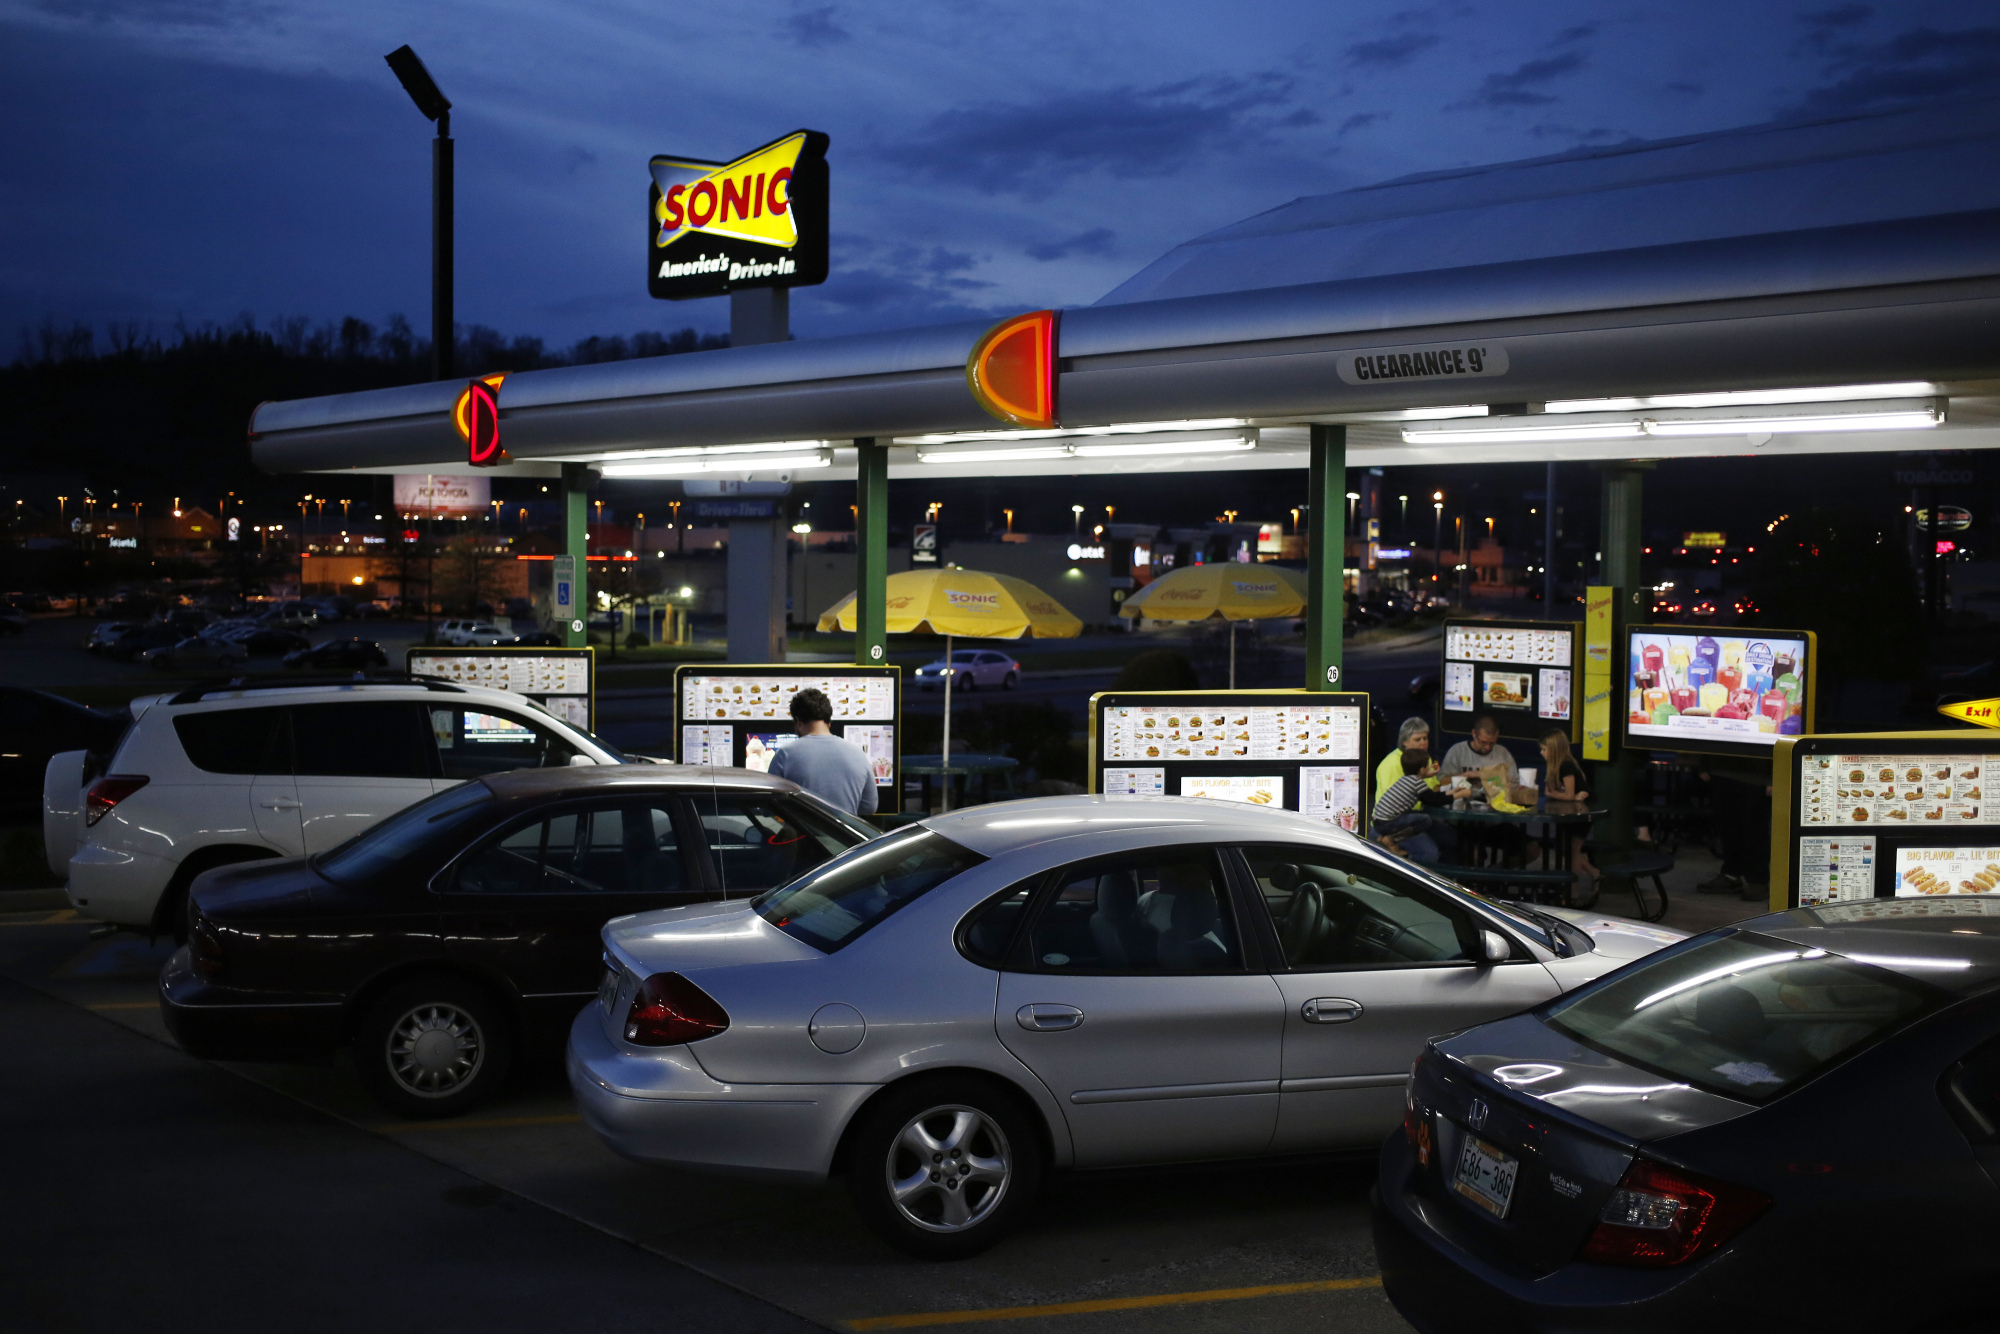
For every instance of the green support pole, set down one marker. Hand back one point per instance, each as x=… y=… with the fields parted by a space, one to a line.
x=1326 y=556
x=576 y=546
x=871 y=553
x=1621 y=488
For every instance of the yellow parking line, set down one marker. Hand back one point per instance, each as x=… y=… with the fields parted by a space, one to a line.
x=1107 y=1304
x=126 y=1005
x=59 y=918
x=489 y=1123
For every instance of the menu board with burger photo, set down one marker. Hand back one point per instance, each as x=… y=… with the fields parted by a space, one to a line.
x=1733 y=691
x=1292 y=750
x=1519 y=672
x=740 y=716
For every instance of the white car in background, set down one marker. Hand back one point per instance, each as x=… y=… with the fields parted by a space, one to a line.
x=213 y=776
x=971 y=669
x=472 y=634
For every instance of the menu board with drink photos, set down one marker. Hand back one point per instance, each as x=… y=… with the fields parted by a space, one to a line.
x=1519 y=672
x=734 y=715
x=561 y=680
x=1289 y=749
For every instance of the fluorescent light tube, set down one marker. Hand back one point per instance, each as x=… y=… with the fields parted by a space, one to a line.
x=695 y=467
x=1846 y=421
x=1163 y=448
x=1064 y=432
x=992 y=455
x=1747 y=397
x=1470 y=435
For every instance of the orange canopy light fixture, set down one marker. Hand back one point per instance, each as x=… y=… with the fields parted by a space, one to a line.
x=476 y=414
x=1012 y=370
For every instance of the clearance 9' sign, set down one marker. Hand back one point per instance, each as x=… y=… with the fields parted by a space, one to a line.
x=759 y=221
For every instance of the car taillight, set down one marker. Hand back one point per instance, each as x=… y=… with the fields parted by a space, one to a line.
x=204 y=947
x=668 y=1010
x=107 y=792
x=1661 y=1216
x=1416 y=1125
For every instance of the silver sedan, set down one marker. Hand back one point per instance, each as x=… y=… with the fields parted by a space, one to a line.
x=949 y=1010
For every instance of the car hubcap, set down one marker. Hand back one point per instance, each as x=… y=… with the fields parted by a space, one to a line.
x=435 y=1050
x=948 y=1170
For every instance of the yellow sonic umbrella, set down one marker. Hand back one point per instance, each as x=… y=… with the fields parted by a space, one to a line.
x=1227 y=590
x=953 y=602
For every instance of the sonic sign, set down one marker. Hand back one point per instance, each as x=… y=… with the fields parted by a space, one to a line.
x=760 y=221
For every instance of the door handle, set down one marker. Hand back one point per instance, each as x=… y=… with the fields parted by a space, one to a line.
x=282 y=804
x=1331 y=1010
x=1048 y=1018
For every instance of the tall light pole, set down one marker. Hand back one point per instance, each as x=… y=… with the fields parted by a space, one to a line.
x=423 y=90
x=1437 y=534
x=1076 y=521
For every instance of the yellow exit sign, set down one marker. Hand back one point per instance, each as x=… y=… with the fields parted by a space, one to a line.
x=1983 y=712
x=1712 y=541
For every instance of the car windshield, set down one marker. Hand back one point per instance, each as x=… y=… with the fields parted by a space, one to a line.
x=592 y=737
x=830 y=907
x=1742 y=1015
x=405 y=835
x=1534 y=926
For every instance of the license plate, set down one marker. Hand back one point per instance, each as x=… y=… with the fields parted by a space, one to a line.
x=607 y=990
x=1485 y=1175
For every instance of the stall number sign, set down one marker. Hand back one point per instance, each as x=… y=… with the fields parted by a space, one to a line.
x=759 y=221
x=923 y=543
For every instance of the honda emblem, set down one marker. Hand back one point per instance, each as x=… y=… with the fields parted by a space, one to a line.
x=1475 y=1117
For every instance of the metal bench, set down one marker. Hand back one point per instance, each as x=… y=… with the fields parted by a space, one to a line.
x=1536 y=886
x=1633 y=869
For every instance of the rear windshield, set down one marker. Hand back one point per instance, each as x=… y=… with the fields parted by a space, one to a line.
x=1743 y=1015
x=417 y=836
x=829 y=907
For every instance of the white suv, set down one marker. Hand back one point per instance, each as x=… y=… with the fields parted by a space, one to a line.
x=213 y=776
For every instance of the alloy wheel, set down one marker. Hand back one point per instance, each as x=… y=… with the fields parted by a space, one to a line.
x=949 y=1168
x=435 y=1049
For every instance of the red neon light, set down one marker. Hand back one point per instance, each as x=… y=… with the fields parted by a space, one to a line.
x=1012 y=370
x=476 y=414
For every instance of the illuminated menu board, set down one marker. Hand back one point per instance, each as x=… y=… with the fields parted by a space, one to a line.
x=1524 y=674
x=1291 y=750
x=740 y=716
x=561 y=680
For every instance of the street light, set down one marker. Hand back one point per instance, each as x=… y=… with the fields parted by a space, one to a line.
x=1076 y=520
x=435 y=106
x=1010 y=519
x=1352 y=496
x=1437 y=533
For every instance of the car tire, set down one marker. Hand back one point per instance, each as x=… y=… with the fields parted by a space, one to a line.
x=1010 y=681
x=434 y=1047
x=930 y=1210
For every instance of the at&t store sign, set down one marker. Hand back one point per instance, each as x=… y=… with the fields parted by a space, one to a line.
x=759 y=221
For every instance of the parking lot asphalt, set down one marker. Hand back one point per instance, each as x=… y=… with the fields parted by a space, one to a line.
x=168 y=1192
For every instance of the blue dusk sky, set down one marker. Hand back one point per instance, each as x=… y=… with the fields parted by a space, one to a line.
x=200 y=160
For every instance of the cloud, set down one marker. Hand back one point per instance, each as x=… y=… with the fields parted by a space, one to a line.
x=816 y=28
x=1576 y=34
x=1686 y=89
x=1917 y=65
x=1096 y=241
x=1840 y=16
x=1392 y=52
x=1361 y=120
x=213 y=14
x=1125 y=132
x=1516 y=88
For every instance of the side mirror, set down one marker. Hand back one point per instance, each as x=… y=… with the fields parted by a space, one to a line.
x=1494 y=947
x=585 y=762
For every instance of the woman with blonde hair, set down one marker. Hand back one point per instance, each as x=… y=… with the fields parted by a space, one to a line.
x=1562 y=780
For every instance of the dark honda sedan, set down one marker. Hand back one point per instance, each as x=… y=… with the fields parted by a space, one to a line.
x=1789 y=1124
x=340 y=653
x=465 y=927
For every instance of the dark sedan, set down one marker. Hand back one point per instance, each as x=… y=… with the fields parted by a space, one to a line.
x=453 y=933
x=1789 y=1124
x=339 y=654
x=268 y=639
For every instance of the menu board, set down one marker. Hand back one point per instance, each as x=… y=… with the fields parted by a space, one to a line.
x=756 y=698
x=1743 y=689
x=1532 y=645
x=1222 y=732
x=1287 y=749
x=1836 y=870
x=1935 y=872
x=737 y=715
x=561 y=680
x=1521 y=673
x=1899 y=791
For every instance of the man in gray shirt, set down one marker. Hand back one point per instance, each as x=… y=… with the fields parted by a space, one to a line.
x=1483 y=751
x=833 y=769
